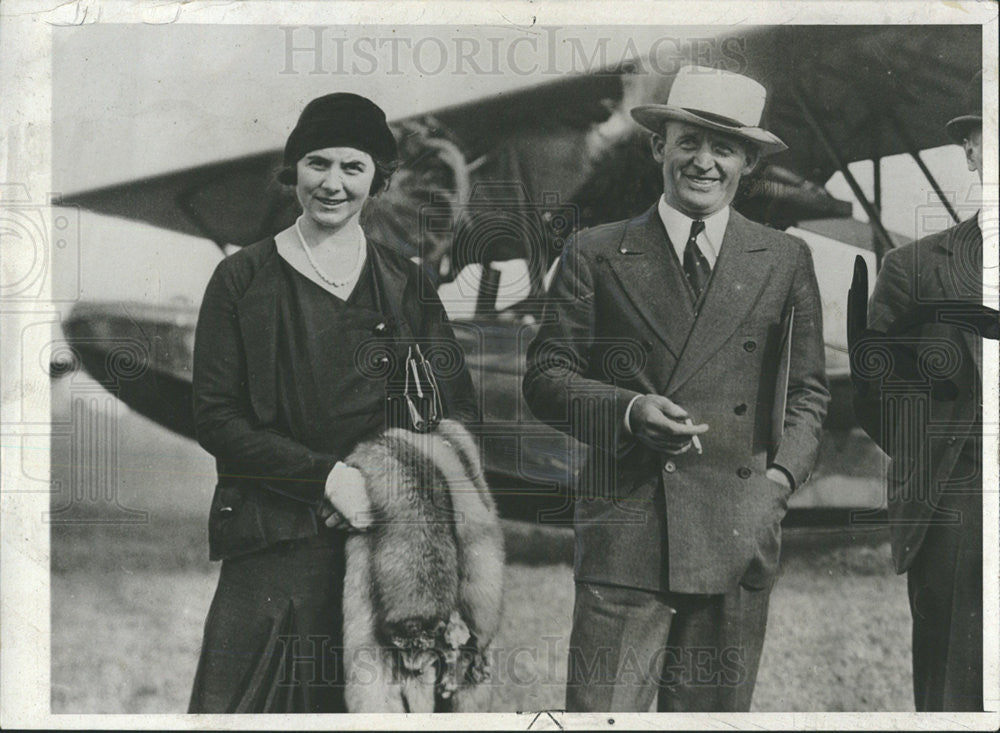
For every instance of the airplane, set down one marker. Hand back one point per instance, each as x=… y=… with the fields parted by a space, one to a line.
x=494 y=186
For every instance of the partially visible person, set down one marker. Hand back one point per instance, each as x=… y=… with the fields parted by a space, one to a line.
x=662 y=347
x=930 y=422
x=282 y=393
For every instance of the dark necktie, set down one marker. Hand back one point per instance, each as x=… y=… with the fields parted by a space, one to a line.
x=696 y=266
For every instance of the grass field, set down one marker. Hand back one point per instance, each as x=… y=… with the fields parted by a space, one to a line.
x=128 y=604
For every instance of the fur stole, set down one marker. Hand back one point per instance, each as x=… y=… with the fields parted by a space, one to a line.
x=422 y=588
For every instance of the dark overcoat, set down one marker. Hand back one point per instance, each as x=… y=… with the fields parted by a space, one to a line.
x=935 y=412
x=918 y=380
x=620 y=322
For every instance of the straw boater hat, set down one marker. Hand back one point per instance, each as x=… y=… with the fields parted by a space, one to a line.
x=716 y=99
x=972 y=111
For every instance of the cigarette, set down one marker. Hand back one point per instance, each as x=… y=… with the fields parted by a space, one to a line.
x=694 y=438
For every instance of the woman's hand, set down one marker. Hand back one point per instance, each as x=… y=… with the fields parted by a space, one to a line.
x=345 y=503
x=330 y=516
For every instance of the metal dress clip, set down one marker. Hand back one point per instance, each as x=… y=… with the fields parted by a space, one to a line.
x=420 y=390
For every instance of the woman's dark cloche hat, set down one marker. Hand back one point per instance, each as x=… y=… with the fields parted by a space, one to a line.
x=339 y=120
x=972 y=111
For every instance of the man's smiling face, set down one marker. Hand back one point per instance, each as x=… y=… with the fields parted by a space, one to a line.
x=701 y=167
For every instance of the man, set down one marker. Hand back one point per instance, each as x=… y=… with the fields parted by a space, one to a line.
x=665 y=345
x=929 y=420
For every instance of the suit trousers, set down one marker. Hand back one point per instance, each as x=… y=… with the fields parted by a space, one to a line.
x=945 y=585
x=694 y=653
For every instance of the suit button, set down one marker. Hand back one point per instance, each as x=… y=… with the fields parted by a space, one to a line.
x=225 y=509
x=750 y=347
x=599 y=259
x=647 y=345
x=740 y=409
x=669 y=467
x=743 y=472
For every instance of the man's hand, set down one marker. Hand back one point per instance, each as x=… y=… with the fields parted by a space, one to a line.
x=347 y=497
x=662 y=425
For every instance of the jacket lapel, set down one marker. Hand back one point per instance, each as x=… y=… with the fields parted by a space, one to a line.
x=647 y=270
x=961 y=275
x=257 y=312
x=739 y=276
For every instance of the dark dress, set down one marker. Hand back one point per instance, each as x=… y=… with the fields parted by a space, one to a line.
x=273 y=634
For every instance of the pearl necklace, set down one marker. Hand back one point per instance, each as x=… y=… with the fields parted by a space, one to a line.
x=359 y=261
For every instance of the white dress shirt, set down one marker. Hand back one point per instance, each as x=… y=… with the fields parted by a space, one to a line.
x=678 y=228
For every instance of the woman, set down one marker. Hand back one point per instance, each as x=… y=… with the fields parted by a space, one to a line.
x=294 y=346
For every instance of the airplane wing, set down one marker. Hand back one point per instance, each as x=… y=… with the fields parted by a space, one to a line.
x=872 y=91
x=837 y=92
x=238 y=201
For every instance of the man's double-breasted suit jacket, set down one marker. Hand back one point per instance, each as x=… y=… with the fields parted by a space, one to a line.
x=619 y=322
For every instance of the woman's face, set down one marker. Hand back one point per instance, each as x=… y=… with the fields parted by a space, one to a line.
x=332 y=184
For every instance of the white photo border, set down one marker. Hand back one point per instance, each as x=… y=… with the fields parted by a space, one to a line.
x=25 y=65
